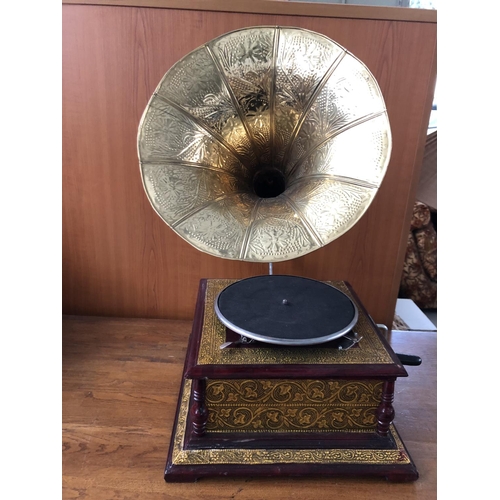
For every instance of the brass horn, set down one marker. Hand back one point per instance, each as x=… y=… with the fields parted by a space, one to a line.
x=265 y=144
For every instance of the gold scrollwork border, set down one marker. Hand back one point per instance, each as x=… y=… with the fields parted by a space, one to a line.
x=370 y=350
x=180 y=456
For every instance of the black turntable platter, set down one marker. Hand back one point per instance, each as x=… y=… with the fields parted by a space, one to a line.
x=286 y=310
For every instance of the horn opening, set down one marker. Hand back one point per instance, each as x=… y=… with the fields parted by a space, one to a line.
x=265 y=144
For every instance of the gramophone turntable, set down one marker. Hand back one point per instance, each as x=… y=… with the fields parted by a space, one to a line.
x=264 y=145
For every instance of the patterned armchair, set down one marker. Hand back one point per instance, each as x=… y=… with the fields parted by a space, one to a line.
x=419 y=279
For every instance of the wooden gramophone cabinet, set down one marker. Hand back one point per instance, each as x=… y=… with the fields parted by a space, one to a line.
x=264 y=410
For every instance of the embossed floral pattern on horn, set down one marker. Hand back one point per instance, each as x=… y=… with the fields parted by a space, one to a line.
x=264 y=144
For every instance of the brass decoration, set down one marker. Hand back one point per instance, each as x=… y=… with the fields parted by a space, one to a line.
x=291 y=405
x=370 y=349
x=264 y=105
x=181 y=456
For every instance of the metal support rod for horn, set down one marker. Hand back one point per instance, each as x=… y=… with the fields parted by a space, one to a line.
x=270 y=268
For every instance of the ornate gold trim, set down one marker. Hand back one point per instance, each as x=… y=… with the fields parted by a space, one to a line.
x=369 y=351
x=180 y=456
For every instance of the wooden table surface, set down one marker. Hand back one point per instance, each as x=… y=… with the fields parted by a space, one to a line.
x=121 y=380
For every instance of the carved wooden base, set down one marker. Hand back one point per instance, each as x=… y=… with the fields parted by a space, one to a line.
x=256 y=410
x=250 y=454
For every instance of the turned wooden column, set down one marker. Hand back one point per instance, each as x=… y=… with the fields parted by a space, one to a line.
x=199 y=413
x=385 y=411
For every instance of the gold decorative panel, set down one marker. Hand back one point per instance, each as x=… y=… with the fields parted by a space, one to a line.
x=292 y=405
x=182 y=456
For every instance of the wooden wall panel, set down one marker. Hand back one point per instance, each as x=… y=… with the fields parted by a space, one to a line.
x=119 y=258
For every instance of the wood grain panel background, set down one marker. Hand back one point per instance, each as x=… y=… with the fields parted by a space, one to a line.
x=119 y=258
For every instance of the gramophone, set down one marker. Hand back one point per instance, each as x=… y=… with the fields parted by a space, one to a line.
x=264 y=145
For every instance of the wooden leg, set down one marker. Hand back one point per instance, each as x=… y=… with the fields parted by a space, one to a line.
x=385 y=411
x=199 y=413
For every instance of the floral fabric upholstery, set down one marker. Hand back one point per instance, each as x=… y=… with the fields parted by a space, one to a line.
x=419 y=279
